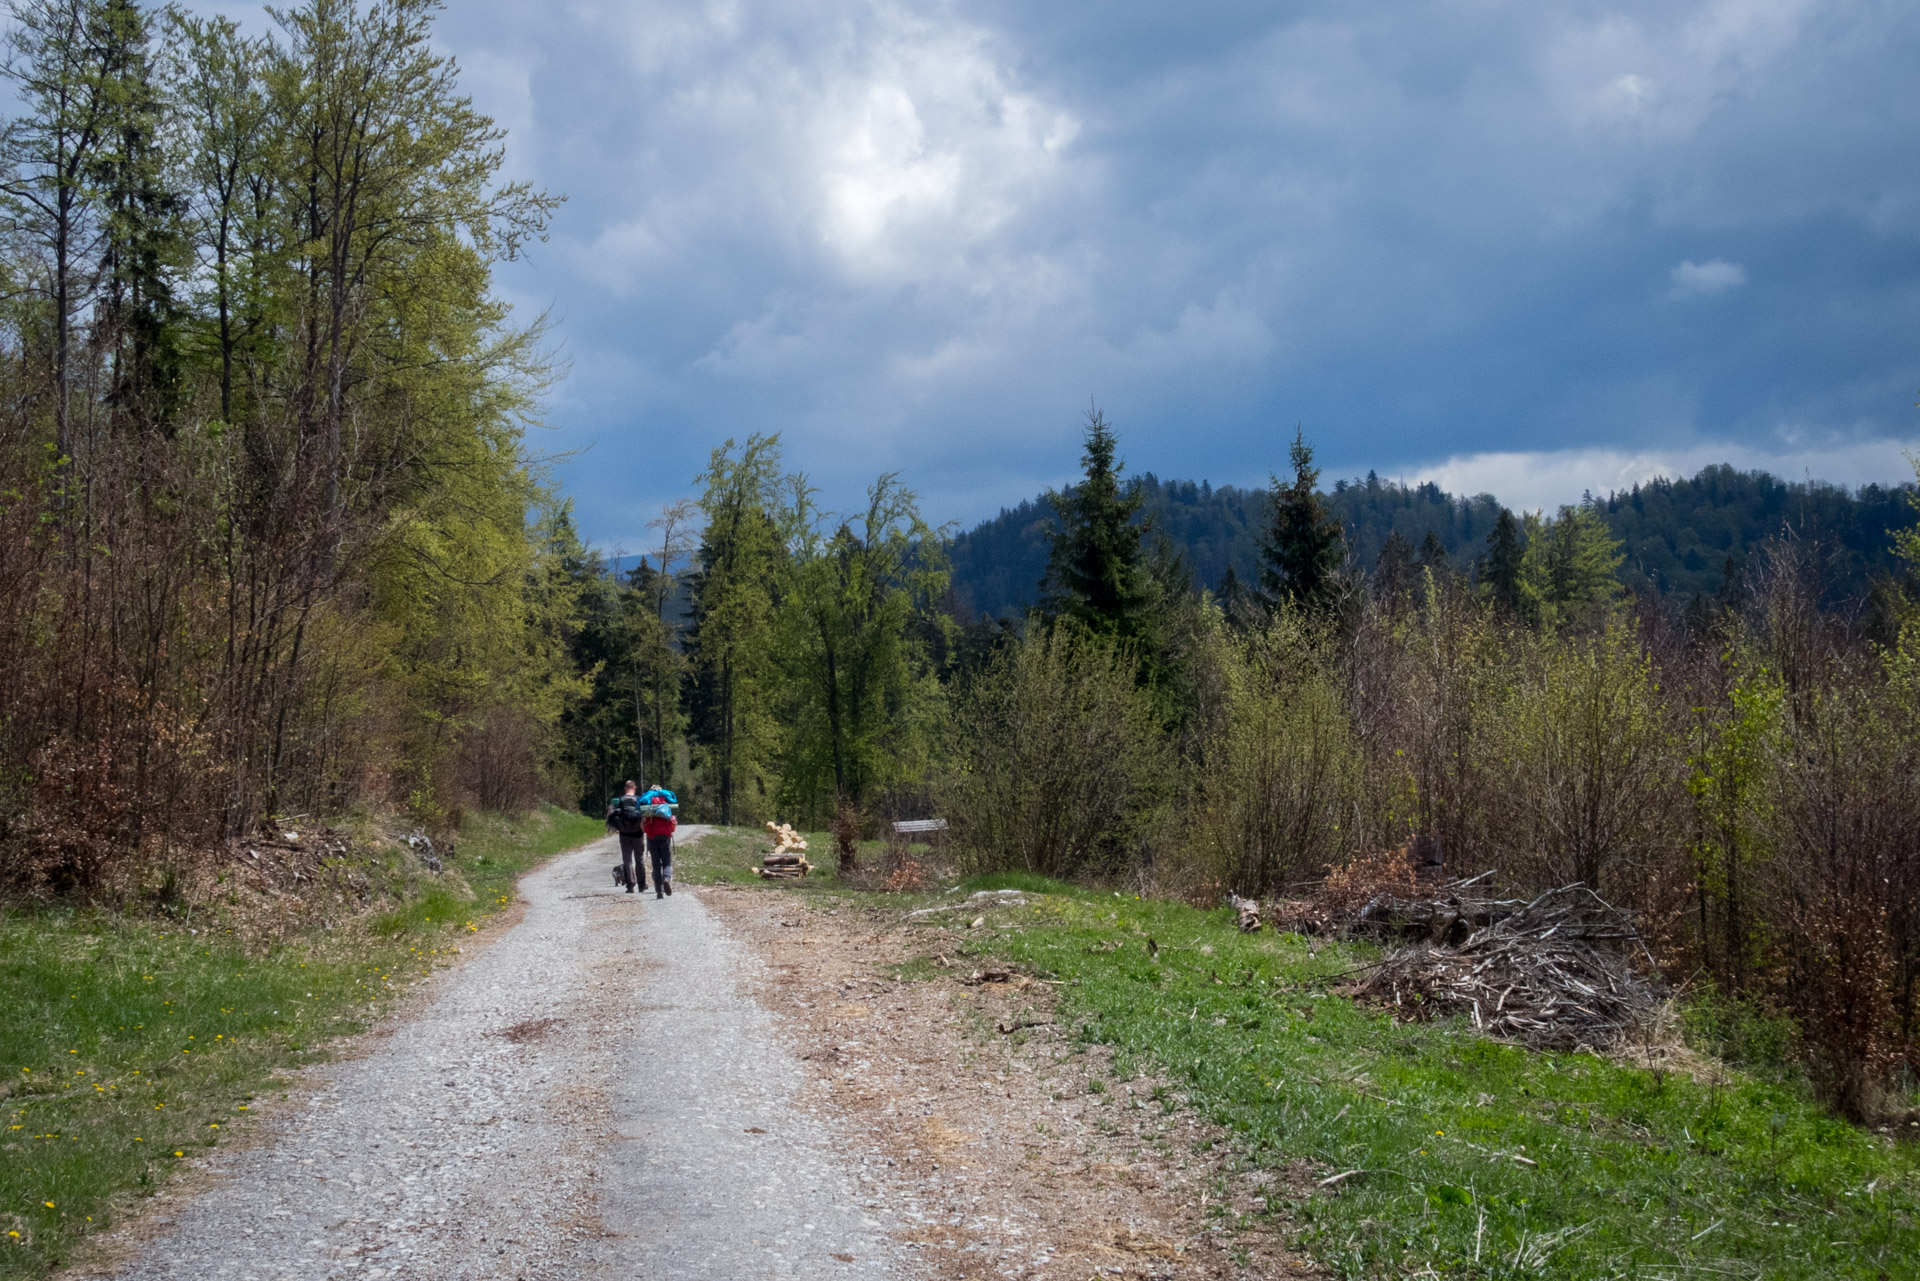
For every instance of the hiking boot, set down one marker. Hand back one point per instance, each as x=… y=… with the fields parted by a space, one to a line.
x=629 y=889
x=668 y=886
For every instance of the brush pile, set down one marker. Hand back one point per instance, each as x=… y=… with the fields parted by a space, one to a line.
x=788 y=859
x=1547 y=972
x=1551 y=972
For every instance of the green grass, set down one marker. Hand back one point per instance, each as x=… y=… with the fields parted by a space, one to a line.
x=129 y=1045
x=1638 y=1174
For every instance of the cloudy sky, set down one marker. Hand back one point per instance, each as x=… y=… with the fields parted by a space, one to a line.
x=1523 y=248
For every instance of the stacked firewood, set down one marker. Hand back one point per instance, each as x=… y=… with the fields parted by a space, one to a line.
x=1547 y=972
x=788 y=858
x=1246 y=913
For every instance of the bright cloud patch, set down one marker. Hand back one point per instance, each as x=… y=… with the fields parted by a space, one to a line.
x=1704 y=279
x=1545 y=479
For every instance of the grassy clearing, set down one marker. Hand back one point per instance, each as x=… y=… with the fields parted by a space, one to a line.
x=131 y=1044
x=1467 y=1158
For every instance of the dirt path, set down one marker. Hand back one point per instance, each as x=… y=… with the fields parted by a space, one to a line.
x=721 y=1084
x=1008 y=1147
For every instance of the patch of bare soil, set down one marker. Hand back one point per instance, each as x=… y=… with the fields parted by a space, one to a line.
x=1009 y=1150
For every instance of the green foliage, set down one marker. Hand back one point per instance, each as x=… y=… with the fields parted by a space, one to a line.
x=1279 y=784
x=1569 y=568
x=1586 y=752
x=1059 y=763
x=1096 y=573
x=1681 y=536
x=1741 y=1033
x=1906 y=542
x=1504 y=572
x=1304 y=545
x=1735 y=761
x=862 y=700
x=731 y=640
x=273 y=539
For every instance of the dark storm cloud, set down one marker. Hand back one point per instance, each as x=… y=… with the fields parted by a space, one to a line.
x=1529 y=248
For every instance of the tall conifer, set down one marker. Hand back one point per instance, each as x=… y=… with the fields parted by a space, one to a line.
x=1503 y=563
x=1304 y=542
x=1096 y=572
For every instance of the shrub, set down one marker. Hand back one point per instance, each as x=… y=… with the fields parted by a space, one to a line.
x=1280 y=785
x=1060 y=766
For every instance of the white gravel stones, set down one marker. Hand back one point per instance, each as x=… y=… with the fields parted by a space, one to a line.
x=576 y=1101
x=726 y=1168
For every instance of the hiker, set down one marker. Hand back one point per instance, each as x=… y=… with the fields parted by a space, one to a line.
x=627 y=816
x=659 y=826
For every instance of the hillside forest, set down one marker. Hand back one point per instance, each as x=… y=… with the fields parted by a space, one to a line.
x=273 y=544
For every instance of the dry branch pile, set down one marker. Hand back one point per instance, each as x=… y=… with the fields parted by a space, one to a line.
x=1549 y=971
x=1546 y=972
x=789 y=857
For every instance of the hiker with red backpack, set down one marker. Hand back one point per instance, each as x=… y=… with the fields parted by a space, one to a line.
x=658 y=827
x=628 y=816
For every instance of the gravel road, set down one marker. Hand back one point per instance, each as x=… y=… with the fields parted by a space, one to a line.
x=594 y=1095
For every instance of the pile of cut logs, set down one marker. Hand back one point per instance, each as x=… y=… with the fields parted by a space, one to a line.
x=789 y=857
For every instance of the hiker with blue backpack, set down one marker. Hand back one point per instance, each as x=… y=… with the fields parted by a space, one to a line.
x=658 y=826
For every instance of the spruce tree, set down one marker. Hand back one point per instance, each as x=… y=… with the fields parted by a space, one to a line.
x=1573 y=563
x=144 y=245
x=1235 y=600
x=1304 y=542
x=1433 y=555
x=1393 y=569
x=1504 y=555
x=1096 y=570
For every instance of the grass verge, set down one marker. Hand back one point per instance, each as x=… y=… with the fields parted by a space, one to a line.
x=1448 y=1154
x=130 y=1045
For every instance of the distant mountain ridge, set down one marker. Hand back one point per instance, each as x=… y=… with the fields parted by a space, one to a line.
x=1677 y=534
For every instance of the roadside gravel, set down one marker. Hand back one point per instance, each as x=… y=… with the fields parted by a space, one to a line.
x=595 y=1094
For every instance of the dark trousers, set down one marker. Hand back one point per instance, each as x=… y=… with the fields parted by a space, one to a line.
x=631 y=860
x=660 y=850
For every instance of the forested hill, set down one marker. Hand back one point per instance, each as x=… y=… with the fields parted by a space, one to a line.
x=1677 y=534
